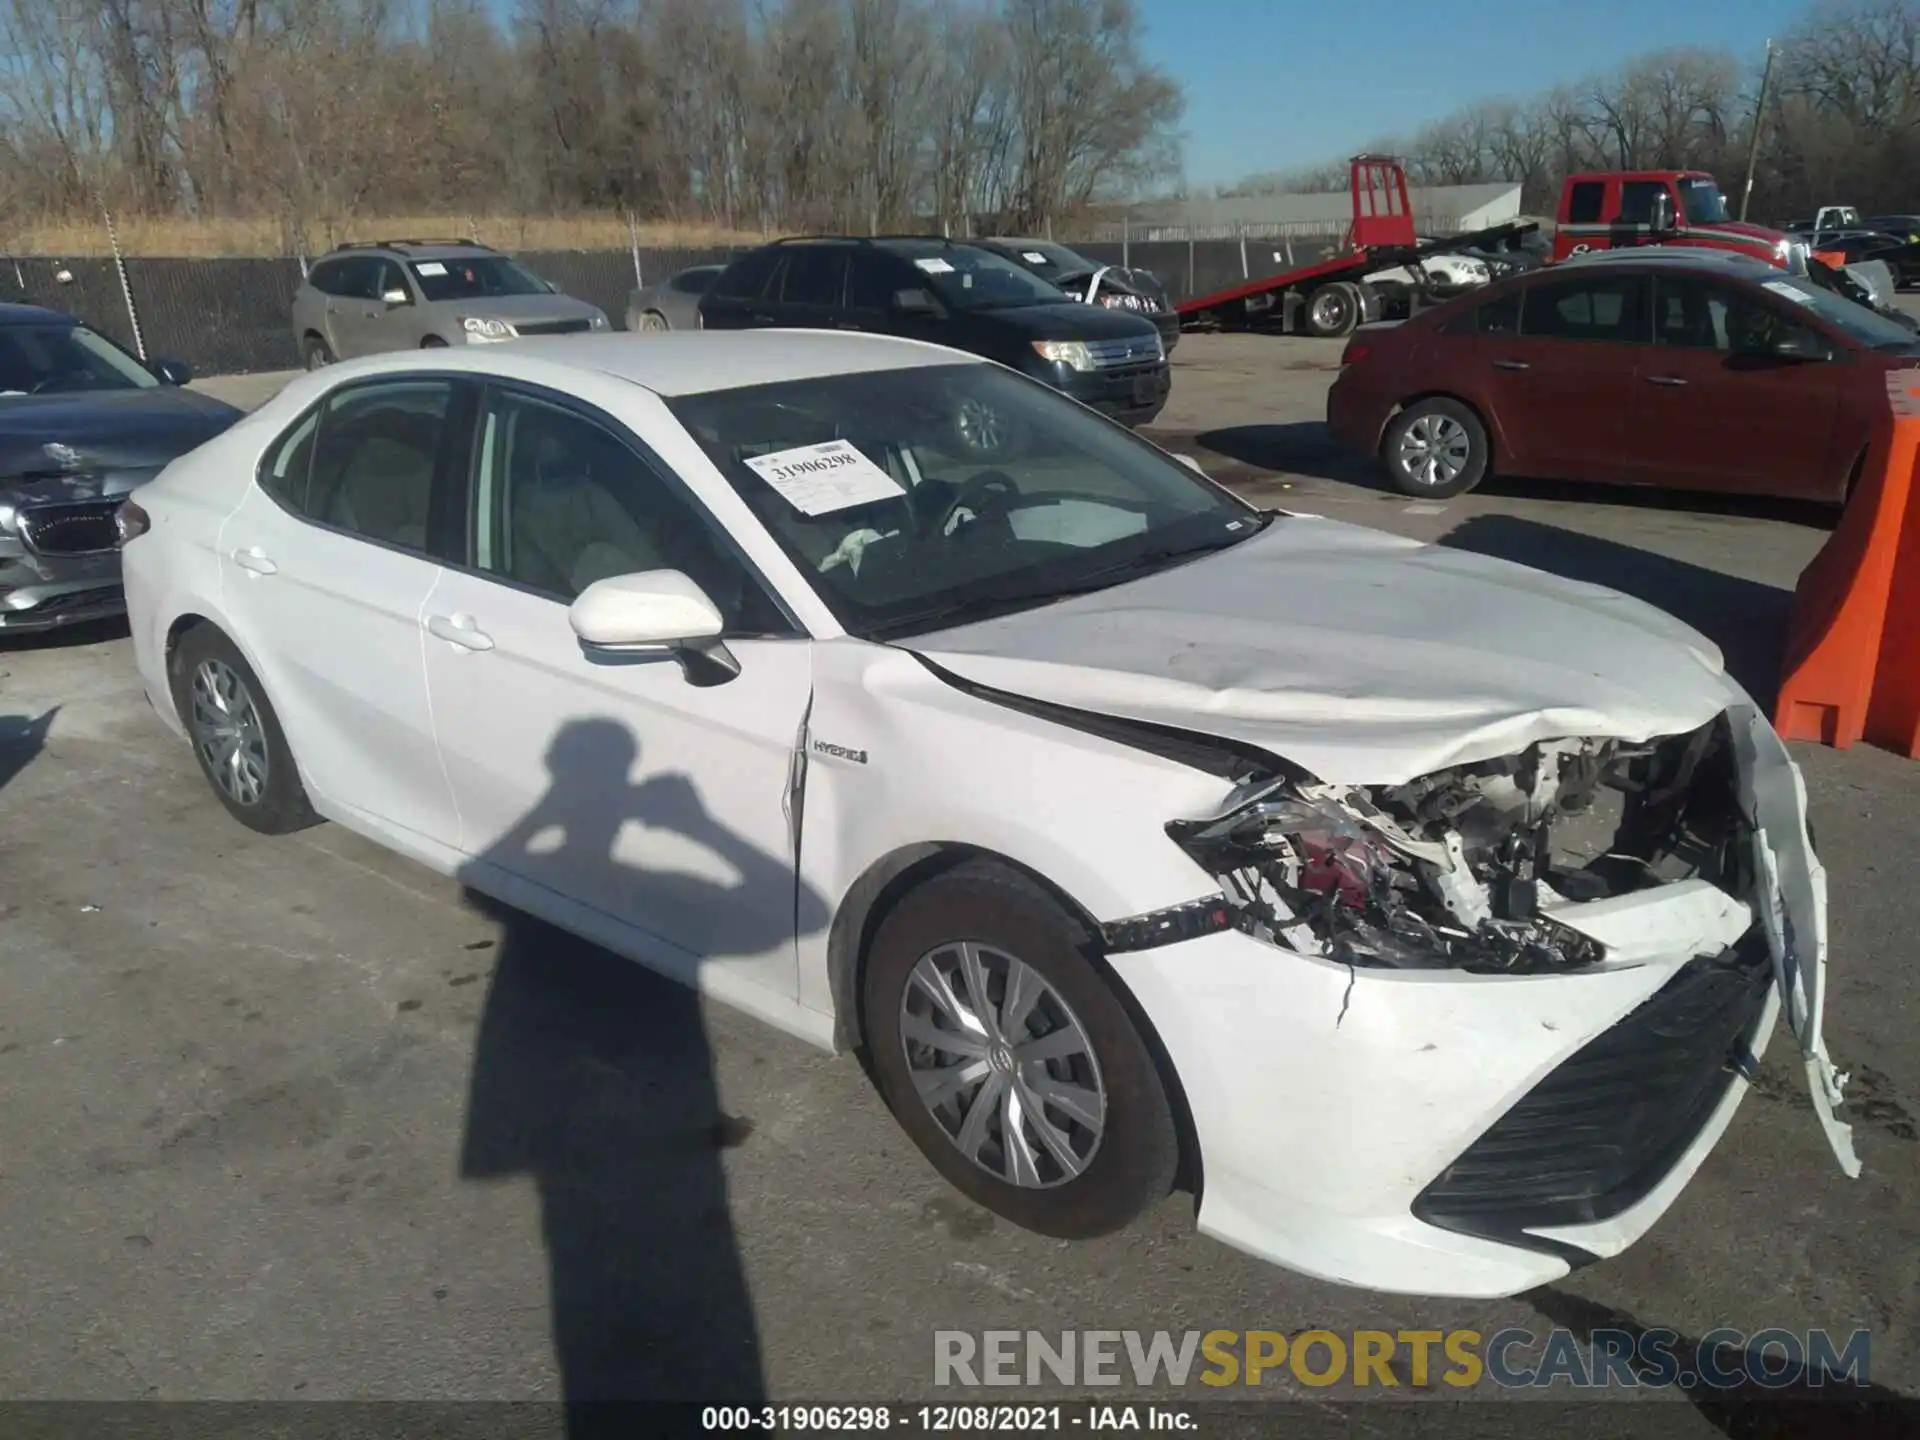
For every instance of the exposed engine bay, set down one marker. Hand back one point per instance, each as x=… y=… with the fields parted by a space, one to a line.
x=1462 y=869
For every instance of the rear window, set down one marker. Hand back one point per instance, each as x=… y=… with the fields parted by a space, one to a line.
x=746 y=278
x=1583 y=205
x=1499 y=315
x=1586 y=309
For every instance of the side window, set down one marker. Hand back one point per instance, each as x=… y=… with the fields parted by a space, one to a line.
x=871 y=281
x=284 y=468
x=373 y=463
x=746 y=278
x=325 y=277
x=388 y=278
x=1498 y=316
x=1689 y=313
x=1590 y=309
x=563 y=501
x=358 y=278
x=1636 y=200
x=813 y=276
x=1583 y=206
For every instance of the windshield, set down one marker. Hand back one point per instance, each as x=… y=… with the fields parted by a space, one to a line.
x=970 y=279
x=1703 y=203
x=1858 y=322
x=472 y=277
x=1045 y=258
x=919 y=499
x=42 y=359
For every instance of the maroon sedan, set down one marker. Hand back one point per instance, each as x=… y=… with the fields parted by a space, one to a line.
x=1694 y=369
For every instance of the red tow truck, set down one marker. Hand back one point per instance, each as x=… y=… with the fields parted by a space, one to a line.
x=1611 y=210
x=1331 y=297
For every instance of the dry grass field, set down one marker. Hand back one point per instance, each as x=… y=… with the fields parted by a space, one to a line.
x=266 y=235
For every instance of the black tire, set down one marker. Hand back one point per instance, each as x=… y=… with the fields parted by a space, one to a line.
x=433 y=342
x=1135 y=1160
x=1404 y=452
x=317 y=353
x=281 y=804
x=1333 y=310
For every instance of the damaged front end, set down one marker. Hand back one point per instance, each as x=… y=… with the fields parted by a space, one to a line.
x=1485 y=867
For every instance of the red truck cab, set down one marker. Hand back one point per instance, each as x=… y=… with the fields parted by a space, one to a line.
x=1609 y=210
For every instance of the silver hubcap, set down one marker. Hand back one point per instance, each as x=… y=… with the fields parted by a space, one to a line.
x=1434 y=450
x=1330 y=309
x=316 y=358
x=1003 y=1065
x=651 y=321
x=228 y=733
x=981 y=426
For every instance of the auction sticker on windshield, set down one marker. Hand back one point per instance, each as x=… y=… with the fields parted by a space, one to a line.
x=934 y=265
x=1787 y=292
x=819 y=479
x=430 y=267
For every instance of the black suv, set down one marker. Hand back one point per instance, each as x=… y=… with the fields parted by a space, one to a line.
x=954 y=294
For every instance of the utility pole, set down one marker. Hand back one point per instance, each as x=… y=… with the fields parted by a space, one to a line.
x=1759 y=124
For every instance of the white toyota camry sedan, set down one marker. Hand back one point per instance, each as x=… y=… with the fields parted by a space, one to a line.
x=1424 y=914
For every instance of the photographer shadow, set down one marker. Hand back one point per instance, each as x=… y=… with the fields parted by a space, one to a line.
x=594 y=1076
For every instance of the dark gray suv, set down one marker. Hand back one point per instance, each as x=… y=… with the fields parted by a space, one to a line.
x=366 y=298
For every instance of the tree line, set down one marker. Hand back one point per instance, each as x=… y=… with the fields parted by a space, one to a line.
x=1841 y=123
x=746 y=115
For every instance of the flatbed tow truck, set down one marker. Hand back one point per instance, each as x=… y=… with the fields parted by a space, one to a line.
x=1332 y=297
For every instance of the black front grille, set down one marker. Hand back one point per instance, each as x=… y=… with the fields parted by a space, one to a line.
x=81 y=527
x=1612 y=1120
x=552 y=327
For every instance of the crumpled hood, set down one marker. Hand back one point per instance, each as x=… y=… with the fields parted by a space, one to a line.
x=108 y=429
x=524 y=309
x=1360 y=656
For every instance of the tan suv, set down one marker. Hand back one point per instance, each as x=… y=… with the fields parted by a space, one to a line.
x=365 y=298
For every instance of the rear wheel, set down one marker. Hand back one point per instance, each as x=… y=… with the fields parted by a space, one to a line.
x=318 y=355
x=653 y=322
x=236 y=736
x=433 y=342
x=1010 y=1061
x=1333 y=310
x=1435 y=449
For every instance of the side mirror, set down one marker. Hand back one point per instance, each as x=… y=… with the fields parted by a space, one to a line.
x=172 y=372
x=1663 y=217
x=395 y=297
x=650 y=613
x=914 y=302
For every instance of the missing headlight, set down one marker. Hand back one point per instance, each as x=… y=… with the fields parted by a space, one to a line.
x=1461 y=868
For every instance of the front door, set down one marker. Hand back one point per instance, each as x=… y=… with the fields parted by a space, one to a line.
x=356 y=311
x=1715 y=405
x=1561 y=387
x=327 y=562
x=650 y=797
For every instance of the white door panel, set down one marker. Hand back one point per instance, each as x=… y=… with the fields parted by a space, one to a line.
x=334 y=622
x=622 y=785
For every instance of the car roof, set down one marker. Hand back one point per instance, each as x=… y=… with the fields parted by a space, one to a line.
x=681 y=362
x=1692 y=257
x=414 y=249
x=33 y=315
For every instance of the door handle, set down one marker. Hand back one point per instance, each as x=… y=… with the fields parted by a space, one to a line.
x=757 y=318
x=1665 y=380
x=1511 y=365
x=459 y=630
x=255 y=559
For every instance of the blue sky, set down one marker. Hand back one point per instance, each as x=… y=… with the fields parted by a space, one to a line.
x=1274 y=84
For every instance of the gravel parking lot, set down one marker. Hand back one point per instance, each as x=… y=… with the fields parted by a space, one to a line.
x=293 y=1118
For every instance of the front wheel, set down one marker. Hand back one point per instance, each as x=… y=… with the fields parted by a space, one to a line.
x=433 y=342
x=236 y=736
x=1435 y=449
x=318 y=356
x=1334 y=310
x=1010 y=1061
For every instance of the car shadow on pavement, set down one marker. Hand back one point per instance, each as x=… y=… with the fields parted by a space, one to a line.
x=22 y=737
x=1746 y=619
x=1776 y=1394
x=1304 y=447
x=594 y=1076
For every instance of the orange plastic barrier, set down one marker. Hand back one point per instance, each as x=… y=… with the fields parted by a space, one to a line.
x=1852 y=667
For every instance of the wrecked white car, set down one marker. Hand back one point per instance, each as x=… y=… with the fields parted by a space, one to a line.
x=1426 y=915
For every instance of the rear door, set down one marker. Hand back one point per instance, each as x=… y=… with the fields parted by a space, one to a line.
x=812 y=286
x=1560 y=387
x=739 y=299
x=1716 y=407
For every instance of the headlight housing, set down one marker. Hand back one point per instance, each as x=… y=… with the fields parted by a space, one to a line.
x=487 y=329
x=1071 y=353
x=600 y=321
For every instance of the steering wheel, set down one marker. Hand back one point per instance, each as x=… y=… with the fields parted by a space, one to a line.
x=991 y=492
